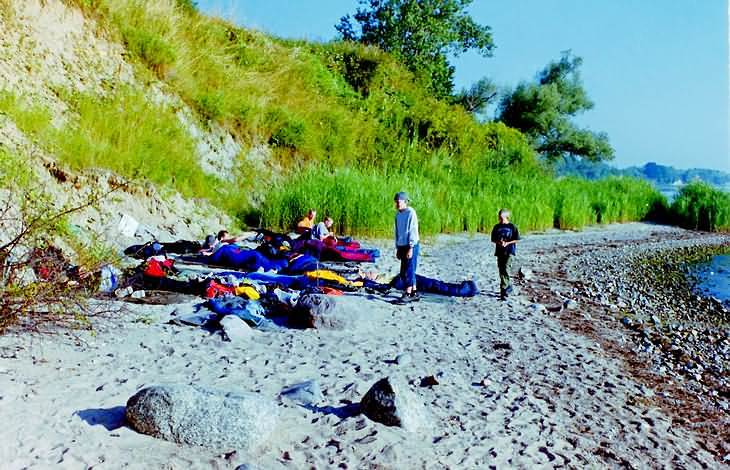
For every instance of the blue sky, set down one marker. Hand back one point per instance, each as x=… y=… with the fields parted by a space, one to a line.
x=657 y=70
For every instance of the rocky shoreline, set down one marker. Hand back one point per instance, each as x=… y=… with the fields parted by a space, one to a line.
x=640 y=298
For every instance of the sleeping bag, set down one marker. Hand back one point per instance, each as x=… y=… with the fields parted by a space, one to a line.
x=434 y=286
x=246 y=260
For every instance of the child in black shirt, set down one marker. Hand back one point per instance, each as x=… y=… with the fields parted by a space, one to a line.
x=505 y=236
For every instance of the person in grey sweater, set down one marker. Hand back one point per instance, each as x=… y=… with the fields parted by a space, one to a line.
x=322 y=229
x=406 y=244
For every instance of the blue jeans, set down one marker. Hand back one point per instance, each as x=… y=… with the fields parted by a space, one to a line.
x=408 y=266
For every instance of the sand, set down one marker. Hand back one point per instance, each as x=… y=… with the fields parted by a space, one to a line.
x=517 y=388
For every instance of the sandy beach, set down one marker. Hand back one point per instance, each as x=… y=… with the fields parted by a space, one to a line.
x=519 y=385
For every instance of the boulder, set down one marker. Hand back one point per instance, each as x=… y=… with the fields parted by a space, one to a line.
x=188 y=414
x=324 y=312
x=389 y=401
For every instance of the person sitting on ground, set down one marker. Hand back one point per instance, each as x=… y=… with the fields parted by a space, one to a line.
x=406 y=245
x=307 y=223
x=322 y=229
x=223 y=238
x=505 y=237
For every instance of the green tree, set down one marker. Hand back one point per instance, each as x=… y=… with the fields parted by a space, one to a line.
x=543 y=110
x=477 y=97
x=420 y=33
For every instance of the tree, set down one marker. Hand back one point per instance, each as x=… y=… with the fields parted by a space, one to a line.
x=420 y=33
x=477 y=98
x=543 y=111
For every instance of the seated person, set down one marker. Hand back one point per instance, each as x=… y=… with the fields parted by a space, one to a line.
x=223 y=238
x=322 y=229
x=307 y=223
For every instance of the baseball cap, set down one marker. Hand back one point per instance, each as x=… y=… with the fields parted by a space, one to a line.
x=401 y=196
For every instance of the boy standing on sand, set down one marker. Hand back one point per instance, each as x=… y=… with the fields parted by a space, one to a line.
x=406 y=245
x=505 y=236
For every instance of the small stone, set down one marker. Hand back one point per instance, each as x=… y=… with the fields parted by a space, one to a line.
x=138 y=294
x=307 y=393
x=403 y=359
x=485 y=382
x=570 y=304
x=538 y=308
x=390 y=402
x=429 y=381
x=646 y=391
x=525 y=274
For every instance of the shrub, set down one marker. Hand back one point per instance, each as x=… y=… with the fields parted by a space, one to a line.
x=699 y=206
x=37 y=286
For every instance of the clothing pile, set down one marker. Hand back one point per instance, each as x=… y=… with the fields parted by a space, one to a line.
x=263 y=282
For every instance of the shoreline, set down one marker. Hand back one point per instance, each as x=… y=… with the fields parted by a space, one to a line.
x=643 y=309
x=517 y=386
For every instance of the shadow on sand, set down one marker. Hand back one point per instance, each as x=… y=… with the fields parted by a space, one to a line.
x=110 y=418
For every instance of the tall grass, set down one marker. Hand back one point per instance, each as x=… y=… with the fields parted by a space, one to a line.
x=699 y=206
x=361 y=201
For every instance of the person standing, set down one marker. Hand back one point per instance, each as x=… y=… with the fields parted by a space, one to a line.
x=406 y=245
x=505 y=237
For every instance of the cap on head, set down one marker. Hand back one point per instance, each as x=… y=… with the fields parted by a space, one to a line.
x=401 y=196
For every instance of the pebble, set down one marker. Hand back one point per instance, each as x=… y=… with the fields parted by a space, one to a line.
x=403 y=359
x=538 y=308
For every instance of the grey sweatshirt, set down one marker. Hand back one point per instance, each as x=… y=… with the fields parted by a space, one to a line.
x=406 y=227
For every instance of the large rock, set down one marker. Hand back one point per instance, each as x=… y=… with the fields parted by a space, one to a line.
x=235 y=329
x=325 y=312
x=389 y=401
x=188 y=414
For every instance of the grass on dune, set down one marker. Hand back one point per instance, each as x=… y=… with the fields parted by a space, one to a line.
x=123 y=132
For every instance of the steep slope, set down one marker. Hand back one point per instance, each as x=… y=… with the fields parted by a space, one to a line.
x=50 y=52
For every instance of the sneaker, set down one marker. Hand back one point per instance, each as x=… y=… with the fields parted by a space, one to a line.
x=407 y=298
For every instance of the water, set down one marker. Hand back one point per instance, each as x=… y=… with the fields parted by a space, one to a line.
x=714 y=278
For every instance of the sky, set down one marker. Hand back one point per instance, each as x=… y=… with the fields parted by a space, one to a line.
x=657 y=70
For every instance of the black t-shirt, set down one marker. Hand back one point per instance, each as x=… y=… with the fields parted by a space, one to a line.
x=508 y=233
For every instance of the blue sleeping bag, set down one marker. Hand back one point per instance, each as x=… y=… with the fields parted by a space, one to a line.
x=246 y=260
